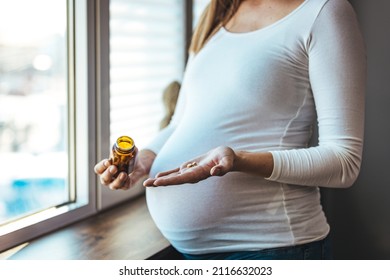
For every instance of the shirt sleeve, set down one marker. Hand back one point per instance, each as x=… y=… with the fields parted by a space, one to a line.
x=337 y=71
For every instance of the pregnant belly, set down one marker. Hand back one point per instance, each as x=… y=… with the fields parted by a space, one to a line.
x=233 y=198
x=189 y=206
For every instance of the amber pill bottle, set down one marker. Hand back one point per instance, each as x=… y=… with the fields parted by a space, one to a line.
x=123 y=154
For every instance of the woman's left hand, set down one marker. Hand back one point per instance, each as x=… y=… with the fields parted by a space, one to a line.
x=216 y=162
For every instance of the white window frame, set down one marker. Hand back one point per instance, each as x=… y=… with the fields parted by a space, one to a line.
x=81 y=121
x=88 y=118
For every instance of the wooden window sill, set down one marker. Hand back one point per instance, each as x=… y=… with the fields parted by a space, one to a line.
x=126 y=232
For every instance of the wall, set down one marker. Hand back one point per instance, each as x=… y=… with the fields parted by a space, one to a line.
x=360 y=216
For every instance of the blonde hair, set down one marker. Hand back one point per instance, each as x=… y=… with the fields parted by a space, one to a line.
x=216 y=15
x=170 y=96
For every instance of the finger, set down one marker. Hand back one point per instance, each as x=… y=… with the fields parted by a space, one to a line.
x=119 y=182
x=224 y=166
x=101 y=166
x=129 y=182
x=178 y=178
x=165 y=173
x=216 y=171
x=108 y=175
x=149 y=182
x=219 y=170
x=162 y=178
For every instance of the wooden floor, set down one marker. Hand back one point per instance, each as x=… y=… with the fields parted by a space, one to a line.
x=126 y=232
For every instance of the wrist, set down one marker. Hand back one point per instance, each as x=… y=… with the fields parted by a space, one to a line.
x=239 y=161
x=260 y=163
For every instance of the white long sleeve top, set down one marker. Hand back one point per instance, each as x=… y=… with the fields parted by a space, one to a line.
x=263 y=91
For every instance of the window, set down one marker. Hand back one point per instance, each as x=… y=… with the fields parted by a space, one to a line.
x=74 y=75
x=146 y=54
x=33 y=108
x=39 y=109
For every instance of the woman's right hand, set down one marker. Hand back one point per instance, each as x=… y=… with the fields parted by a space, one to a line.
x=123 y=181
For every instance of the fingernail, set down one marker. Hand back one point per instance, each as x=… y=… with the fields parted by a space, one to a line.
x=112 y=169
x=149 y=183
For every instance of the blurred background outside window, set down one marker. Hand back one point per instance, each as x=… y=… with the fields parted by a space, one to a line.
x=33 y=106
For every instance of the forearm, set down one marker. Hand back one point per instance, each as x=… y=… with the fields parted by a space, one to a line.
x=261 y=163
x=332 y=165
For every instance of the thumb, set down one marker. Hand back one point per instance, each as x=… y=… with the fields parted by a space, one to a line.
x=216 y=171
x=223 y=167
x=219 y=170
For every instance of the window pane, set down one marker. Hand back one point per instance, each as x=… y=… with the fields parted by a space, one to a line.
x=147 y=53
x=33 y=106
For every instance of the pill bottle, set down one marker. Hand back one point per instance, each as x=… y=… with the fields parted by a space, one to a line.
x=123 y=154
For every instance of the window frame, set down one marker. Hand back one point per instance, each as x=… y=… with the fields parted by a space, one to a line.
x=81 y=123
x=88 y=118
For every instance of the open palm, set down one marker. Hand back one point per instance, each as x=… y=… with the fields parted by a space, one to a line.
x=216 y=162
